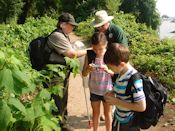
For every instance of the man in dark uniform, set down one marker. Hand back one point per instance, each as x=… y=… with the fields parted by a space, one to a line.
x=114 y=33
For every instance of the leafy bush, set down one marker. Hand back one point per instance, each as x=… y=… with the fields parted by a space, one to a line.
x=85 y=29
x=24 y=103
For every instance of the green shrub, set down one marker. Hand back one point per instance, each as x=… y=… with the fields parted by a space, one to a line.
x=23 y=100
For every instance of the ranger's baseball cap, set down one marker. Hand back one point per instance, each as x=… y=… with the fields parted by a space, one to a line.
x=66 y=17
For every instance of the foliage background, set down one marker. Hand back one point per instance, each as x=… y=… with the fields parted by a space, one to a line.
x=23 y=99
x=19 y=10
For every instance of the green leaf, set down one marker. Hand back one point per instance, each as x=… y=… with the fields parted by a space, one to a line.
x=2 y=59
x=17 y=104
x=47 y=106
x=30 y=116
x=15 y=61
x=21 y=81
x=21 y=77
x=6 y=80
x=61 y=74
x=57 y=90
x=73 y=64
x=38 y=106
x=44 y=94
x=2 y=55
x=18 y=86
x=36 y=110
x=5 y=115
x=49 y=124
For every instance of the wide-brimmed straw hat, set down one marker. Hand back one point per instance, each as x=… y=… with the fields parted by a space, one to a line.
x=101 y=17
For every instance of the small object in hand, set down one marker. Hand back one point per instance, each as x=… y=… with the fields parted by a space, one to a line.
x=95 y=66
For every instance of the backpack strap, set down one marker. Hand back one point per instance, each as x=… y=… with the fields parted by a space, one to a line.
x=91 y=56
x=114 y=77
x=56 y=30
x=61 y=31
x=49 y=49
x=131 y=81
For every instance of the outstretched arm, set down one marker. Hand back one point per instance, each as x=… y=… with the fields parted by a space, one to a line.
x=75 y=53
x=107 y=70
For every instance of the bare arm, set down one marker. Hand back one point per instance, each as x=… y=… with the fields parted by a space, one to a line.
x=135 y=106
x=74 y=53
x=107 y=70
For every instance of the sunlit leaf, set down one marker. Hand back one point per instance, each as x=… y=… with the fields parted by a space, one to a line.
x=5 y=115
x=6 y=80
x=22 y=82
x=15 y=61
x=2 y=59
x=30 y=116
x=38 y=107
x=49 y=124
x=57 y=90
x=44 y=94
x=17 y=104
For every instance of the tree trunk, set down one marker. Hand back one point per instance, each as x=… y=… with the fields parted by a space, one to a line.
x=25 y=10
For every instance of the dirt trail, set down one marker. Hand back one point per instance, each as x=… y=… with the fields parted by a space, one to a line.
x=78 y=114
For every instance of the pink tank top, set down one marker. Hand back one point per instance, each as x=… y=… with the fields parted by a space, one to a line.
x=99 y=80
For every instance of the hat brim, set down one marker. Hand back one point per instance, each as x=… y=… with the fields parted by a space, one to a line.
x=73 y=23
x=96 y=25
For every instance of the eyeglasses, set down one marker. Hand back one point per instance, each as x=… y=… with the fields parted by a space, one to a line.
x=100 y=26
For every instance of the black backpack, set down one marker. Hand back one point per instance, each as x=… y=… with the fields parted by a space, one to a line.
x=38 y=55
x=91 y=58
x=39 y=52
x=156 y=96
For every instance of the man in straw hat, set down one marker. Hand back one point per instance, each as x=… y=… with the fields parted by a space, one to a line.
x=114 y=33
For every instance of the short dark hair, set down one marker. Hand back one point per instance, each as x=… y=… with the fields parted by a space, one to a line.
x=98 y=37
x=116 y=53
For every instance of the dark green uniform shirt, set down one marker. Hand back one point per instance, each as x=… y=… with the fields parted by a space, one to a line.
x=116 y=34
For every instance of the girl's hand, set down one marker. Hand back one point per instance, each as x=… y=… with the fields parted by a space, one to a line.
x=91 y=67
